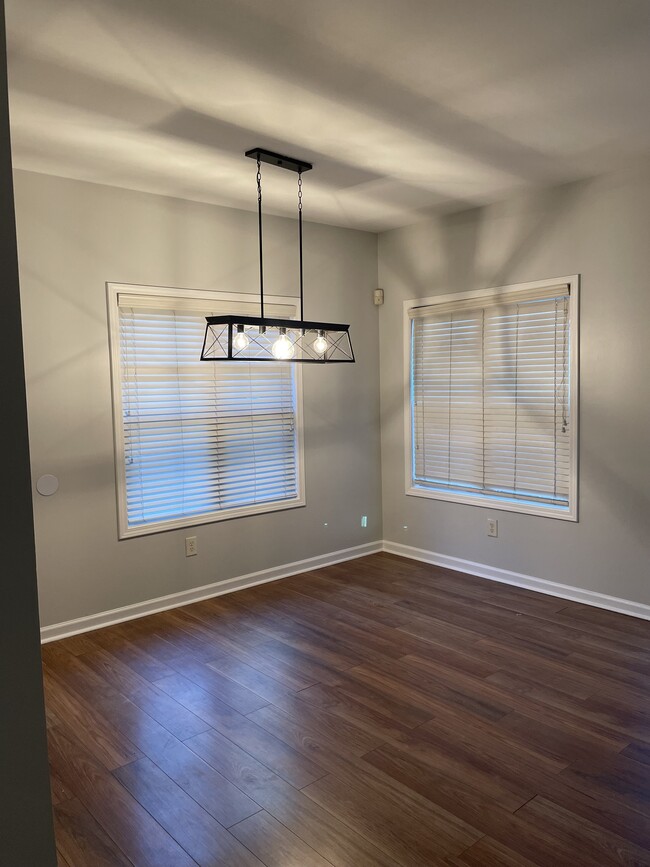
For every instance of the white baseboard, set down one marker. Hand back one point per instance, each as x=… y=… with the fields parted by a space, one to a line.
x=481 y=570
x=175 y=600
x=539 y=585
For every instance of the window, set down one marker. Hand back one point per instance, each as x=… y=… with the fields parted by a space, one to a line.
x=196 y=441
x=493 y=398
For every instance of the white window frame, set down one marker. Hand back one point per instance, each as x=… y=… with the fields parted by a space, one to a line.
x=494 y=502
x=113 y=290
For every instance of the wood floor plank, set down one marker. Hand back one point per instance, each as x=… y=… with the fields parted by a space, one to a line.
x=210 y=619
x=627 y=627
x=217 y=795
x=436 y=631
x=97 y=734
x=372 y=784
x=611 y=670
x=200 y=835
x=435 y=655
x=309 y=665
x=429 y=691
x=118 y=641
x=169 y=713
x=349 y=644
x=572 y=833
x=613 y=651
x=596 y=715
x=78 y=644
x=377 y=713
x=468 y=789
x=54 y=653
x=286 y=762
x=277 y=669
x=490 y=853
x=130 y=826
x=528 y=697
x=355 y=601
x=127 y=718
x=174 y=628
x=200 y=638
x=154 y=638
x=438 y=590
x=531 y=631
x=555 y=741
x=276 y=845
x=542 y=843
x=61 y=861
x=357 y=709
x=553 y=673
x=252 y=678
x=404 y=708
x=637 y=751
x=279 y=627
x=363 y=632
x=404 y=836
x=616 y=777
x=474 y=787
x=227 y=690
x=82 y=841
x=320 y=829
x=58 y=789
x=607 y=624
x=466 y=587
x=609 y=814
x=352 y=737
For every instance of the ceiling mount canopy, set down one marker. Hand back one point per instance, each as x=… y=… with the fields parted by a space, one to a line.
x=233 y=337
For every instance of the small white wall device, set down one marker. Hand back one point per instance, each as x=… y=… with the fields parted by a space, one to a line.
x=47 y=485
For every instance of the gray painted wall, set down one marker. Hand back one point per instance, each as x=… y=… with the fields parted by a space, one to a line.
x=75 y=236
x=600 y=230
x=26 y=833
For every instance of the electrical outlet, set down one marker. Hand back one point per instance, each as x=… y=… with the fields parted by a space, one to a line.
x=493 y=527
x=364 y=520
x=191 y=546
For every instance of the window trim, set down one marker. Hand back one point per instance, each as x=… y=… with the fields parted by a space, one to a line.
x=483 y=500
x=113 y=290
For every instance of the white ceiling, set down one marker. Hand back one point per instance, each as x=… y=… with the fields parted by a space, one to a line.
x=404 y=107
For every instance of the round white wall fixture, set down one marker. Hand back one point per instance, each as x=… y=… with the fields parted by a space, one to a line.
x=47 y=485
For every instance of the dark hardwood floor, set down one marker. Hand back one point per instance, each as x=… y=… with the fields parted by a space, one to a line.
x=377 y=712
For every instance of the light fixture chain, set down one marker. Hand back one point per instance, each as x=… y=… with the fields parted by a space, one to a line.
x=302 y=310
x=259 y=229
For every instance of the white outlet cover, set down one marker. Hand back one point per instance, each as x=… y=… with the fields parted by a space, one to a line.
x=47 y=485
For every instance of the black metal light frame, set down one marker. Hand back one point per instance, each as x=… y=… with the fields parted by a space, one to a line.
x=232 y=337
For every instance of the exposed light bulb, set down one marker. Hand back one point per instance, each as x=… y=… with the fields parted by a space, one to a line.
x=283 y=349
x=241 y=340
x=320 y=344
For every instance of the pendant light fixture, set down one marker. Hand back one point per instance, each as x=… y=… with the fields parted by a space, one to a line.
x=233 y=337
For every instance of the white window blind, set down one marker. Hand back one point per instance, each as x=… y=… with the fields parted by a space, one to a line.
x=490 y=394
x=199 y=438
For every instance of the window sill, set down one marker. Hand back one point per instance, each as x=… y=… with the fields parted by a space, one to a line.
x=501 y=504
x=212 y=518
